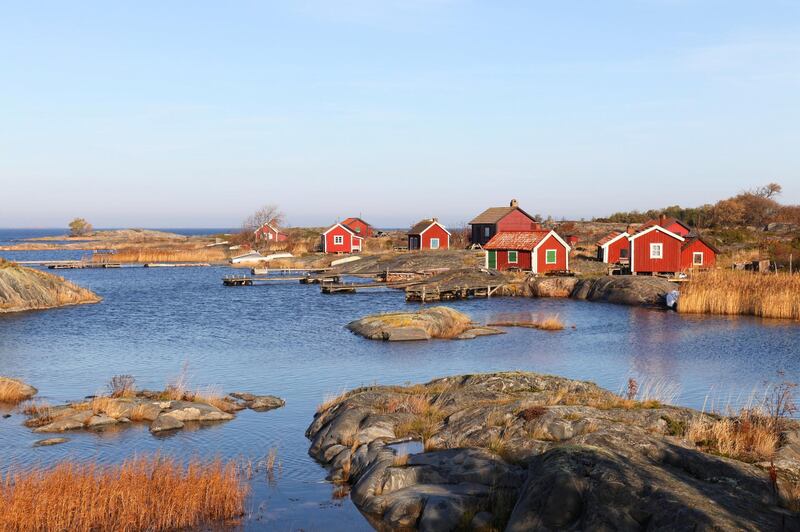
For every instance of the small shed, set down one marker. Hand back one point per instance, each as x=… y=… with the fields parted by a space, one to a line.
x=269 y=232
x=428 y=234
x=341 y=239
x=536 y=251
x=698 y=253
x=358 y=226
x=655 y=249
x=614 y=248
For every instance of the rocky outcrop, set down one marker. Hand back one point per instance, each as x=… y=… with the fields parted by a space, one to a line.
x=434 y=322
x=28 y=289
x=15 y=391
x=522 y=451
x=621 y=289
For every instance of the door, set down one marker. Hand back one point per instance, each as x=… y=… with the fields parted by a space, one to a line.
x=492 y=259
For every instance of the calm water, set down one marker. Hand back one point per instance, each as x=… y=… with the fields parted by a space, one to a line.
x=289 y=340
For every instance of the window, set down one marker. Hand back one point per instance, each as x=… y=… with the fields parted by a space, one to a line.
x=550 y=256
x=623 y=253
x=512 y=257
x=486 y=231
x=697 y=258
x=656 y=251
x=269 y=236
x=338 y=240
x=434 y=243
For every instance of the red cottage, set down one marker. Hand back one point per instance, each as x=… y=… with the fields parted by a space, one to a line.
x=498 y=219
x=537 y=251
x=428 y=234
x=613 y=248
x=341 y=239
x=697 y=253
x=655 y=250
x=358 y=226
x=673 y=225
x=268 y=232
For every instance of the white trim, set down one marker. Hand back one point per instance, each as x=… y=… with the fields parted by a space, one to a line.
x=438 y=243
x=555 y=260
x=702 y=258
x=431 y=225
x=338 y=240
x=334 y=226
x=552 y=232
x=660 y=247
x=605 y=246
x=508 y=256
x=656 y=228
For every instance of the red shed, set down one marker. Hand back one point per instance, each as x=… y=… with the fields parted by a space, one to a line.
x=341 y=239
x=673 y=225
x=270 y=233
x=358 y=226
x=655 y=250
x=697 y=253
x=538 y=251
x=428 y=234
x=614 y=248
x=498 y=219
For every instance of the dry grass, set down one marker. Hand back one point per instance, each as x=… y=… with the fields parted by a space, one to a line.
x=139 y=413
x=599 y=399
x=40 y=412
x=122 y=386
x=211 y=396
x=12 y=391
x=736 y=292
x=331 y=400
x=551 y=322
x=147 y=254
x=400 y=460
x=791 y=495
x=749 y=437
x=141 y=494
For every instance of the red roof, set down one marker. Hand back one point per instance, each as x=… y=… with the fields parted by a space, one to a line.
x=666 y=223
x=608 y=238
x=520 y=240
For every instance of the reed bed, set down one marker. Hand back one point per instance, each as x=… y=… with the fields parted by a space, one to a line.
x=147 y=493
x=13 y=391
x=751 y=436
x=736 y=292
x=146 y=255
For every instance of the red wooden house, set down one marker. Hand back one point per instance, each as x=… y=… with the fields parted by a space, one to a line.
x=428 y=234
x=358 y=226
x=614 y=248
x=698 y=253
x=270 y=233
x=341 y=239
x=498 y=219
x=655 y=249
x=539 y=251
x=672 y=225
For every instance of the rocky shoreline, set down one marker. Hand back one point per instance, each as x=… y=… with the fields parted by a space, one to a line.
x=644 y=291
x=24 y=289
x=434 y=322
x=522 y=451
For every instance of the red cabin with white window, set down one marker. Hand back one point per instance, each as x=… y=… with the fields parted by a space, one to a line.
x=536 y=251
x=428 y=234
x=341 y=239
x=269 y=232
x=358 y=227
x=698 y=254
x=614 y=248
x=498 y=219
x=655 y=250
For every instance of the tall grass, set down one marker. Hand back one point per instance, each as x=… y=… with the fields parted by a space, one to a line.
x=13 y=391
x=147 y=493
x=549 y=322
x=146 y=254
x=737 y=292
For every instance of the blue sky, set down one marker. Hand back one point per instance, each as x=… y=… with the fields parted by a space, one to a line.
x=196 y=113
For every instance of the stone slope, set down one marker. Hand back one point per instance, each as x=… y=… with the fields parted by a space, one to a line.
x=28 y=289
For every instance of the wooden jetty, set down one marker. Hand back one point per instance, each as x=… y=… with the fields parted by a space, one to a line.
x=425 y=293
x=176 y=264
x=287 y=271
x=245 y=280
x=78 y=265
x=352 y=288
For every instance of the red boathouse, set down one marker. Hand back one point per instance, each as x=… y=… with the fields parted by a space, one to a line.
x=536 y=251
x=655 y=250
x=614 y=248
x=358 y=226
x=428 y=234
x=698 y=254
x=341 y=239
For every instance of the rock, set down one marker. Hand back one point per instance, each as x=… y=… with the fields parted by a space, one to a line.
x=552 y=286
x=50 y=441
x=190 y=411
x=100 y=421
x=24 y=288
x=266 y=402
x=524 y=451
x=475 y=332
x=60 y=425
x=21 y=390
x=634 y=290
x=434 y=322
x=165 y=422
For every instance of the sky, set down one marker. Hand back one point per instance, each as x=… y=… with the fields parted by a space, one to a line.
x=196 y=113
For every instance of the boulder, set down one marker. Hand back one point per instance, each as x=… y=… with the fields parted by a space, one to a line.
x=50 y=441
x=434 y=322
x=165 y=422
x=21 y=391
x=24 y=288
x=636 y=290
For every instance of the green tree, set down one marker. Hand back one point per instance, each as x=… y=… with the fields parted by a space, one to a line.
x=79 y=227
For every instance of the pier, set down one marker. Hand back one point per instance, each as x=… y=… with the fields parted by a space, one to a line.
x=427 y=293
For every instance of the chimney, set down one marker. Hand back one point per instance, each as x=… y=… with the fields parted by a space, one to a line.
x=434 y=219
x=514 y=203
x=629 y=229
x=662 y=220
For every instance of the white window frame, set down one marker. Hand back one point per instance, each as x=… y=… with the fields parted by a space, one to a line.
x=555 y=256
x=656 y=246
x=696 y=254
x=516 y=257
x=338 y=240
x=487 y=231
x=434 y=243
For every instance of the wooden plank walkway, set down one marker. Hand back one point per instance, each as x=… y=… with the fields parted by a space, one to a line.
x=351 y=288
x=247 y=280
x=426 y=293
x=83 y=265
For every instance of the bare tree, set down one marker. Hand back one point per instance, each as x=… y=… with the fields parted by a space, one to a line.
x=80 y=227
x=270 y=214
x=772 y=189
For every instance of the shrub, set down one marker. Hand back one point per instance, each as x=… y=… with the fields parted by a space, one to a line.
x=122 y=386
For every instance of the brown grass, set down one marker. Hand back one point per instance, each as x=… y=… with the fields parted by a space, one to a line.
x=750 y=436
x=12 y=391
x=791 y=495
x=138 y=413
x=400 y=460
x=736 y=292
x=550 y=322
x=141 y=494
x=146 y=254
x=331 y=400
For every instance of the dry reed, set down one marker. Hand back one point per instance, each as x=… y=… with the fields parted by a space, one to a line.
x=750 y=436
x=550 y=322
x=735 y=292
x=12 y=391
x=147 y=493
x=146 y=255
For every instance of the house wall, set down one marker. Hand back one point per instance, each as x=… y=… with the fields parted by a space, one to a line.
x=348 y=241
x=642 y=263
x=517 y=221
x=435 y=231
x=678 y=229
x=360 y=228
x=478 y=233
x=523 y=260
x=709 y=257
x=541 y=255
x=616 y=248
